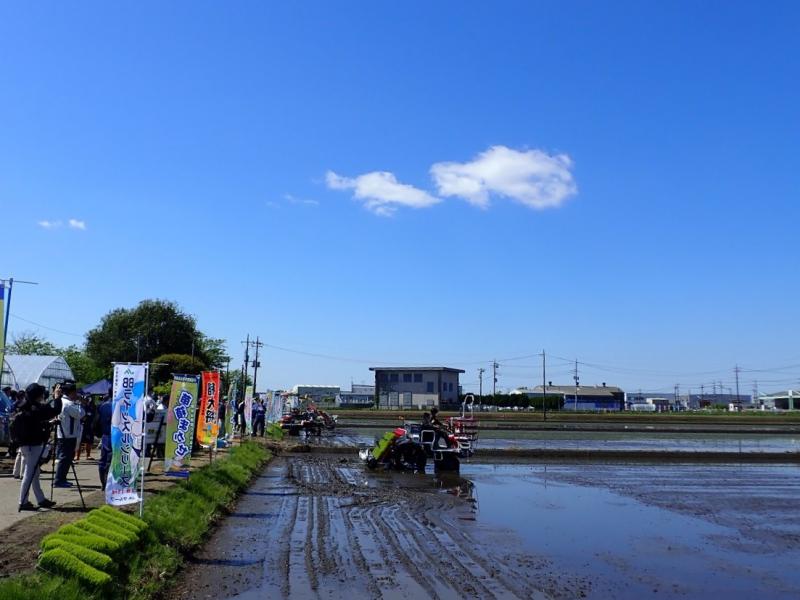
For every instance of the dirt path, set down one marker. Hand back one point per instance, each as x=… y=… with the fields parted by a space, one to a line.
x=318 y=527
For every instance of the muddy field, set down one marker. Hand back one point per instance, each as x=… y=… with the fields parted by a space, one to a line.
x=317 y=526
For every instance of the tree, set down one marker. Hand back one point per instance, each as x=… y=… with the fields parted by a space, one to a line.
x=84 y=369
x=213 y=351
x=153 y=328
x=167 y=364
x=29 y=342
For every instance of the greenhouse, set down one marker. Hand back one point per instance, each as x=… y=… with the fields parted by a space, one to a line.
x=19 y=371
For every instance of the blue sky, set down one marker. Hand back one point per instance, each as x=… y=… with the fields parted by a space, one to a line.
x=433 y=183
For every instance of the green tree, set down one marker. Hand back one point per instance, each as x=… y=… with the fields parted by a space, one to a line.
x=167 y=364
x=153 y=328
x=213 y=351
x=84 y=369
x=29 y=342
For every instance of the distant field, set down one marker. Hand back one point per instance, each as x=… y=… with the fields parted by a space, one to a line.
x=761 y=418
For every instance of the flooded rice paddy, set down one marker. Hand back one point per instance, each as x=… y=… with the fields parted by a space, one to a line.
x=583 y=440
x=320 y=526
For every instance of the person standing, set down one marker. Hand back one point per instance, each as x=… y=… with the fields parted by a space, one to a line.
x=57 y=395
x=87 y=436
x=240 y=420
x=30 y=430
x=69 y=433
x=259 y=416
x=223 y=405
x=103 y=429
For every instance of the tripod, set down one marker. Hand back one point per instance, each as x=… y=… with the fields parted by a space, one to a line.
x=72 y=464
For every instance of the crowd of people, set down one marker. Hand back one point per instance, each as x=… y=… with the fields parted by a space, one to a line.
x=64 y=425
x=39 y=419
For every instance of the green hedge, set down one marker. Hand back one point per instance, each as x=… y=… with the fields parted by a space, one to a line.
x=112 y=554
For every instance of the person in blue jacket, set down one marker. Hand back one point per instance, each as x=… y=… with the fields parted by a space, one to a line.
x=103 y=429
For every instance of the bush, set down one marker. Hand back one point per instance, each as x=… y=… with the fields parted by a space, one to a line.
x=61 y=562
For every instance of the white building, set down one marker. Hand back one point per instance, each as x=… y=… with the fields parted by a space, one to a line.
x=315 y=393
x=359 y=396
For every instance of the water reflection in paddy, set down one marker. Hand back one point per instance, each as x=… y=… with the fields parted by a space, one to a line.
x=677 y=530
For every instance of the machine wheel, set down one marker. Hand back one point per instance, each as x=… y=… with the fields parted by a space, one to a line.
x=409 y=457
x=449 y=462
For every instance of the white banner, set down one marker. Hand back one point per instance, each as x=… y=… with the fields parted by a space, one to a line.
x=127 y=429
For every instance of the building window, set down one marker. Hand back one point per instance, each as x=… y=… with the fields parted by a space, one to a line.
x=393 y=378
x=406 y=377
x=430 y=387
x=417 y=377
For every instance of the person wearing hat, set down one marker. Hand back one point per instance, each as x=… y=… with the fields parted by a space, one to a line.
x=31 y=430
x=69 y=433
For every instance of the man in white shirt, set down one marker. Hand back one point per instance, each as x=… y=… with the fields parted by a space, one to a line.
x=69 y=433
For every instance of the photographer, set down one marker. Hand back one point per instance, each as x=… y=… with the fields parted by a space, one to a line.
x=69 y=433
x=30 y=429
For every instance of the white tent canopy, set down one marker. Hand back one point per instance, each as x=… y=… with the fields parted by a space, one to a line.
x=20 y=370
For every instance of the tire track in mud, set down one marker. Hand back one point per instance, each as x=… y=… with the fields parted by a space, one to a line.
x=340 y=533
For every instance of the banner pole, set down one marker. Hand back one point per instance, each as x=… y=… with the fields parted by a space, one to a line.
x=144 y=437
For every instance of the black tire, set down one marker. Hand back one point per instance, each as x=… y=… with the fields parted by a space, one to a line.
x=422 y=461
x=409 y=456
x=449 y=462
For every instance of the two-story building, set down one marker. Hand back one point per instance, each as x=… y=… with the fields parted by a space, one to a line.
x=416 y=387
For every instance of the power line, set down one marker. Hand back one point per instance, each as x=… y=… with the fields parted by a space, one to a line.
x=16 y=316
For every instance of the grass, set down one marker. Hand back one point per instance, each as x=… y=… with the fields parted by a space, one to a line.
x=112 y=555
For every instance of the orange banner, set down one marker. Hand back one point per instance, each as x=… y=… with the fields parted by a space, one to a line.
x=207 y=422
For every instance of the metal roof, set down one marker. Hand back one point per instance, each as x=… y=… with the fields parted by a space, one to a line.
x=20 y=370
x=583 y=390
x=449 y=369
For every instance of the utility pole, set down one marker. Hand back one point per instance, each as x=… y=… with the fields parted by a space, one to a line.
x=577 y=384
x=736 y=370
x=755 y=393
x=677 y=392
x=544 y=386
x=257 y=364
x=480 y=385
x=244 y=366
x=494 y=377
x=702 y=397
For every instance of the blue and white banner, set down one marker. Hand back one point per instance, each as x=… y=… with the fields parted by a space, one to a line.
x=127 y=433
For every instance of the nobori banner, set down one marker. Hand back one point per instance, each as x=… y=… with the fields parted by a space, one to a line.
x=180 y=425
x=207 y=426
x=127 y=429
x=248 y=408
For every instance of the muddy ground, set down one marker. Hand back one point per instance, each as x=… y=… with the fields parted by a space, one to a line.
x=316 y=526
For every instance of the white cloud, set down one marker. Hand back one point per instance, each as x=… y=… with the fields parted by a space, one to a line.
x=532 y=177
x=381 y=192
x=292 y=200
x=49 y=224
x=77 y=224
